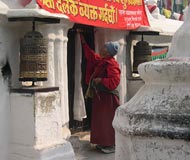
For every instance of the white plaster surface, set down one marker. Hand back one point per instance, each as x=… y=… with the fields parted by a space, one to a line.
x=48 y=125
x=37 y=132
x=151 y=148
x=60 y=65
x=4 y=116
x=149 y=126
x=3 y=8
x=59 y=152
x=180 y=42
x=4 y=99
x=33 y=13
x=166 y=93
x=12 y=3
x=16 y=9
x=133 y=86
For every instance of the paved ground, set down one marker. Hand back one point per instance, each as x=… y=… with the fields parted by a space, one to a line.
x=84 y=151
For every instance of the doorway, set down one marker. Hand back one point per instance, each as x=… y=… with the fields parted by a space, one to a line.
x=88 y=32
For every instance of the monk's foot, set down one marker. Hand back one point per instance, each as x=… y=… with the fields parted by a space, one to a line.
x=99 y=147
x=108 y=149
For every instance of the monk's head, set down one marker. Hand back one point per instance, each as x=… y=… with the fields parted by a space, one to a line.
x=110 y=49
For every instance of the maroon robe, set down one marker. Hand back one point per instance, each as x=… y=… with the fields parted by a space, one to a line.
x=104 y=103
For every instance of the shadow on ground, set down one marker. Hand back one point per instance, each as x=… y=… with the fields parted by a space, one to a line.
x=84 y=150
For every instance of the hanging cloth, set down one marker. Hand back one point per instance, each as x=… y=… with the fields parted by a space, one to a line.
x=79 y=104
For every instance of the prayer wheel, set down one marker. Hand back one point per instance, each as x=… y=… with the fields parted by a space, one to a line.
x=142 y=53
x=33 y=57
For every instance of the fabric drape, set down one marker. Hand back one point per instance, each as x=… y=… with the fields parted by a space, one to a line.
x=79 y=103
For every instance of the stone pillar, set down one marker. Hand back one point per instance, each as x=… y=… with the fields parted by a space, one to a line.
x=36 y=126
x=57 y=65
x=51 y=59
x=155 y=123
x=57 y=62
x=61 y=69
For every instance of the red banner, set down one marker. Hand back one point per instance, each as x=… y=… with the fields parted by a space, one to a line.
x=117 y=14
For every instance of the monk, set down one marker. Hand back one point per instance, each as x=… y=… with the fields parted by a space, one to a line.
x=103 y=78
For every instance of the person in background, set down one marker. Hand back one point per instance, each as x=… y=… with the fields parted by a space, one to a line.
x=103 y=78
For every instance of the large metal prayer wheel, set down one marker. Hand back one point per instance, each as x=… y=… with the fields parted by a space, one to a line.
x=142 y=53
x=33 y=57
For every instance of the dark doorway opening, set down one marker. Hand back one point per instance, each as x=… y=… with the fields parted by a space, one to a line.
x=88 y=32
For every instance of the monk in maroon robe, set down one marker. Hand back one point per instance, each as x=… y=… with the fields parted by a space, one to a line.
x=103 y=78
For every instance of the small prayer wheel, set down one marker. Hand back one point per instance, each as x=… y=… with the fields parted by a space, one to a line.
x=33 y=57
x=142 y=53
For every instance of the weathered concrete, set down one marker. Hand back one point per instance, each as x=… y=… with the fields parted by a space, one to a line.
x=36 y=134
x=158 y=113
x=155 y=123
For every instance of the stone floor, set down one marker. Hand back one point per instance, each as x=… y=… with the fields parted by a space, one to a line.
x=84 y=150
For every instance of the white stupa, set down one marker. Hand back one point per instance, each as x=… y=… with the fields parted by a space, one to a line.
x=155 y=123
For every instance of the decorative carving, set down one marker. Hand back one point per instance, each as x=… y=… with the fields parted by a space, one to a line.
x=33 y=58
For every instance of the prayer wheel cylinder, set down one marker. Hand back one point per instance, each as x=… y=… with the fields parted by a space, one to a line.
x=33 y=57
x=142 y=53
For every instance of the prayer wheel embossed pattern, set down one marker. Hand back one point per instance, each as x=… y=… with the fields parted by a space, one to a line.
x=33 y=57
x=142 y=53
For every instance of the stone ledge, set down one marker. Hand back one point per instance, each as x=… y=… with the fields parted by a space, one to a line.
x=33 y=90
x=154 y=125
x=14 y=13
